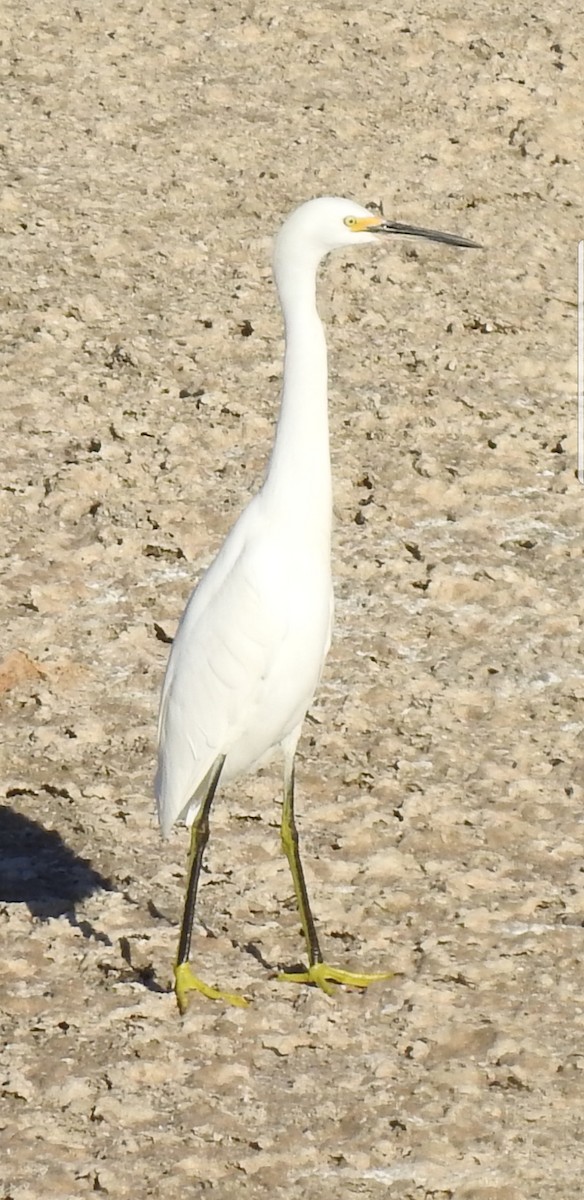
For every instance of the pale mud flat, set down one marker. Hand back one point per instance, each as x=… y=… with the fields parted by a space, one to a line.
x=149 y=151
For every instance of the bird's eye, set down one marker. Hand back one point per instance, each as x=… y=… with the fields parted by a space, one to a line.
x=350 y=222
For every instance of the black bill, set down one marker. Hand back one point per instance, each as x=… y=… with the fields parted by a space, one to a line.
x=433 y=235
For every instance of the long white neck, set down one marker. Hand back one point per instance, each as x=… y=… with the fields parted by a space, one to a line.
x=299 y=475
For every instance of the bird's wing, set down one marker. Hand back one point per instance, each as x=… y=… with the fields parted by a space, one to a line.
x=228 y=634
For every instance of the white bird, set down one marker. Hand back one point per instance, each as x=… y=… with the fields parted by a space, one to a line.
x=251 y=644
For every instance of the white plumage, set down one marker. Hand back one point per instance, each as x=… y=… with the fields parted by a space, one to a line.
x=246 y=658
x=250 y=647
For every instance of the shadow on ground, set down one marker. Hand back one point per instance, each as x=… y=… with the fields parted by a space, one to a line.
x=38 y=869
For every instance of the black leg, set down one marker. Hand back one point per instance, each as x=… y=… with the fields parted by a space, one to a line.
x=185 y=981
x=199 y=839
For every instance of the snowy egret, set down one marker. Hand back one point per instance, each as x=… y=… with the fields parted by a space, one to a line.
x=251 y=644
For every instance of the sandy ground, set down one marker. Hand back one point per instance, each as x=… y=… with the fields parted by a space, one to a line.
x=148 y=153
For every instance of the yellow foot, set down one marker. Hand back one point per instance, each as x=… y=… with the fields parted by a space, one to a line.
x=323 y=976
x=185 y=981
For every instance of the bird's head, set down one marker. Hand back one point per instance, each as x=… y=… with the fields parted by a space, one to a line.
x=331 y=223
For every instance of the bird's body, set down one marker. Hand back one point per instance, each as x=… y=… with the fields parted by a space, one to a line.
x=246 y=659
x=250 y=647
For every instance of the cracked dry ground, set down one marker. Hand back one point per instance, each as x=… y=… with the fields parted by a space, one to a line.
x=149 y=151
